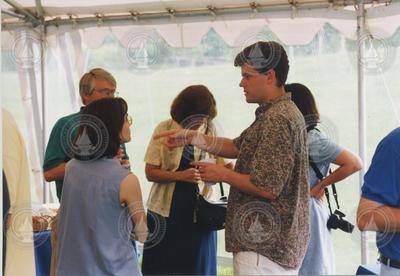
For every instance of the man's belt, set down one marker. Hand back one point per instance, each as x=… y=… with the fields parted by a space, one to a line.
x=389 y=262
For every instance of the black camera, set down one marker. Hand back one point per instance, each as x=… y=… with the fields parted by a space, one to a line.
x=336 y=221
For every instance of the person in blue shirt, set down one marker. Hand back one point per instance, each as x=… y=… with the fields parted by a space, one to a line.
x=379 y=206
x=319 y=258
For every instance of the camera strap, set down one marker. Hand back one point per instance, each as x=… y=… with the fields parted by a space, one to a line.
x=320 y=176
x=327 y=195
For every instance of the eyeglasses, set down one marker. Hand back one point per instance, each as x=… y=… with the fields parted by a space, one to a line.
x=107 y=92
x=129 y=119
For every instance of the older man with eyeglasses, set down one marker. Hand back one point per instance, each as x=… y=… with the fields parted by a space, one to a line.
x=95 y=84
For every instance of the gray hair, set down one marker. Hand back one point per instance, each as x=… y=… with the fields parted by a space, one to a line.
x=86 y=84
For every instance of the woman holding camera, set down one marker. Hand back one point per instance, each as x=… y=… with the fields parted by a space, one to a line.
x=319 y=258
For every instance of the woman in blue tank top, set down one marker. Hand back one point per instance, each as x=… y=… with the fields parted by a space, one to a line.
x=101 y=207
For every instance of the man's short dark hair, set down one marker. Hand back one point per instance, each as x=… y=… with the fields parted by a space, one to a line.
x=194 y=100
x=109 y=113
x=263 y=56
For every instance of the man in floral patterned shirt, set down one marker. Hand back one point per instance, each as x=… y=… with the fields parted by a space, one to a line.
x=267 y=224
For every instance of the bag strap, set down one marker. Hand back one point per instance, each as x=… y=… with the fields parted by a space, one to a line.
x=221 y=187
x=321 y=177
x=334 y=192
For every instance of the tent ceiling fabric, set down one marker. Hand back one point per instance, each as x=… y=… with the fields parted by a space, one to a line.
x=77 y=7
x=291 y=27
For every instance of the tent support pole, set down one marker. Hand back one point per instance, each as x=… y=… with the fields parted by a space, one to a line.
x=361 y=32
x=21 y=10
x=46 y=190
x=39 y=10
x=16 y=15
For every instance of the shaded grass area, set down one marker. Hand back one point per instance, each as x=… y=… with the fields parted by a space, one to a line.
x=225 y=271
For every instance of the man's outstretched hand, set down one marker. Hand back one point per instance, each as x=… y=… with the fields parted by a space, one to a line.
x=176 y=137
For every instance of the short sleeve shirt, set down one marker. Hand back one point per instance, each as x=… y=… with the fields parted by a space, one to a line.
x=382 y=185
x=55 y=153
x=322 y=151
x=273 y=151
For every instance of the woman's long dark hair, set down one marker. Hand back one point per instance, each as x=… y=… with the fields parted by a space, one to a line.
x=102 y=122
x=305 y=102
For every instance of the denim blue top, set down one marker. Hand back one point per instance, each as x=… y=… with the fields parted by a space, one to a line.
x=94 y=229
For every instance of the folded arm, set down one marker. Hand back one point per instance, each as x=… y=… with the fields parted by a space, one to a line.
x=348 y=163
x=374 y=216
x=243 y=183
x=217 y=173
x=56 y=173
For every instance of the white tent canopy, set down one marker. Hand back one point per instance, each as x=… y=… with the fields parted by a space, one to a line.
x=184 y=23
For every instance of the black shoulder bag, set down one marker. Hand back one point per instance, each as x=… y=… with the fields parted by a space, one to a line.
x=210 y=216
x=336 y=220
